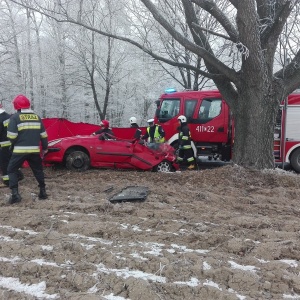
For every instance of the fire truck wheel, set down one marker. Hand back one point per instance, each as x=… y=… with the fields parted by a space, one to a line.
x=77 y=161
x=295 y=160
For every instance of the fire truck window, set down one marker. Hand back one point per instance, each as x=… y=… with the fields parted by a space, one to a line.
x=189 y=107
x=209 y=109
x=168 y=110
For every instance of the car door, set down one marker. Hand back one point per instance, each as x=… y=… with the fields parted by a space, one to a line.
x=210 y=121
x=113 y=153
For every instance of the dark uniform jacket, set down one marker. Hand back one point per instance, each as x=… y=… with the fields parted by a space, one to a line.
x=184 y=136
x=108 y=133
x=4 y=120
x=26 y=131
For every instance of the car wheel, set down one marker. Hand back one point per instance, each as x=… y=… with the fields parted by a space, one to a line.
x=164 y=166
x=295 y=160
x=77 y=161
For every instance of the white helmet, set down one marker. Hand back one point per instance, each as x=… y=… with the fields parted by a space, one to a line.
x=150 y=121
x=182 y=119
x=132 y=120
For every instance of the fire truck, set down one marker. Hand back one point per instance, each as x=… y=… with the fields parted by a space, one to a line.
x=212 y=126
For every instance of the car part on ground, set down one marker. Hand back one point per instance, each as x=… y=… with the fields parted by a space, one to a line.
x=130 y=193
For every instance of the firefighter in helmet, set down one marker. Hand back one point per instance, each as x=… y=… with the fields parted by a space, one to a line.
x=185 y=147
x=154 y=133
x=5 y=145
x=26 y=132
x=105 y=131
x=133 y=124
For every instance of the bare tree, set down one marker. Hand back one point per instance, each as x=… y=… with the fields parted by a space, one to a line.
x=14 y=41
x=30 y=68
x=41 y=90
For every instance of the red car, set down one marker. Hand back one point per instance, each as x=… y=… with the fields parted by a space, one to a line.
x=81 y=152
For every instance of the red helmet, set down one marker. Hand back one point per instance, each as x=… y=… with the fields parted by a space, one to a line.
x=104 y=123
x=20 y=102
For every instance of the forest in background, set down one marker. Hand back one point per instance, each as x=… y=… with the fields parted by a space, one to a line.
x=71 y=72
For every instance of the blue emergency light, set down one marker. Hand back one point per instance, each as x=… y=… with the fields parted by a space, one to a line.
x=170 y=90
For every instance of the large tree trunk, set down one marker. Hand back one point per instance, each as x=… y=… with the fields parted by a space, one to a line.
x=254 y=127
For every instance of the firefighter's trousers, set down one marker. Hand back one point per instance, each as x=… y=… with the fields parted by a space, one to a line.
x=187 y=154
x=35 y=162
x=5 y=154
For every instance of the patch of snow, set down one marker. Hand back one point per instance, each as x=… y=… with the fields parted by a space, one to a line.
x=213 y=284
x=30 y=232
x=92 y=239
x=291 y=262
x=241 y=267
x=238 y=295
x=296 y=296
x=112 y=297
x=192 y=283
x=47 y=247
x=135 y=255
x=263 y=261
x=125 y=273
x=87 y=246
x=206 y=266
x=36 y=290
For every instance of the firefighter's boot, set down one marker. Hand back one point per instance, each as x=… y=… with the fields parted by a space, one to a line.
x=43 y=195
x=192 y=167
x=15 y=196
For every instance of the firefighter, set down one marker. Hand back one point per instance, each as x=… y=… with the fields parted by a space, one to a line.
x=25 y=132
x=133 y=124
x=5 y=152
x=185 y=147
x=154 y=133
x=108 y=133
x=4 y=144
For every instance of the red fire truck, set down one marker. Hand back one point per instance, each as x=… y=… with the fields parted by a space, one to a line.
x=212 y=127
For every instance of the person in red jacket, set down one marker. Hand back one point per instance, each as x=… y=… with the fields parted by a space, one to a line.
x=26 y=132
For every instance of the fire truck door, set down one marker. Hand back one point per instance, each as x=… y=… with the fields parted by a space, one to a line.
x=210 y=121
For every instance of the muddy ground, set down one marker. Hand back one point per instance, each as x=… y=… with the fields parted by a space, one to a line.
x=222 y=233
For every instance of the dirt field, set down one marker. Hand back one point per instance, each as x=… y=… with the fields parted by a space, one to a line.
x=223 y=233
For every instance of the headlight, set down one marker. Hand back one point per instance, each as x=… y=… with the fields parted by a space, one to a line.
x=52 y=143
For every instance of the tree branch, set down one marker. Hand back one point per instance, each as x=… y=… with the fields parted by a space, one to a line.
x=200 y=51
x=212 y=32
x=289 y=75
x=212 y=9
x=273 y=31
x=130 y=41
x=234 y=2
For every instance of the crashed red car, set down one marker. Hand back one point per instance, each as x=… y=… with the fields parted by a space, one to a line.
x=79 y=153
